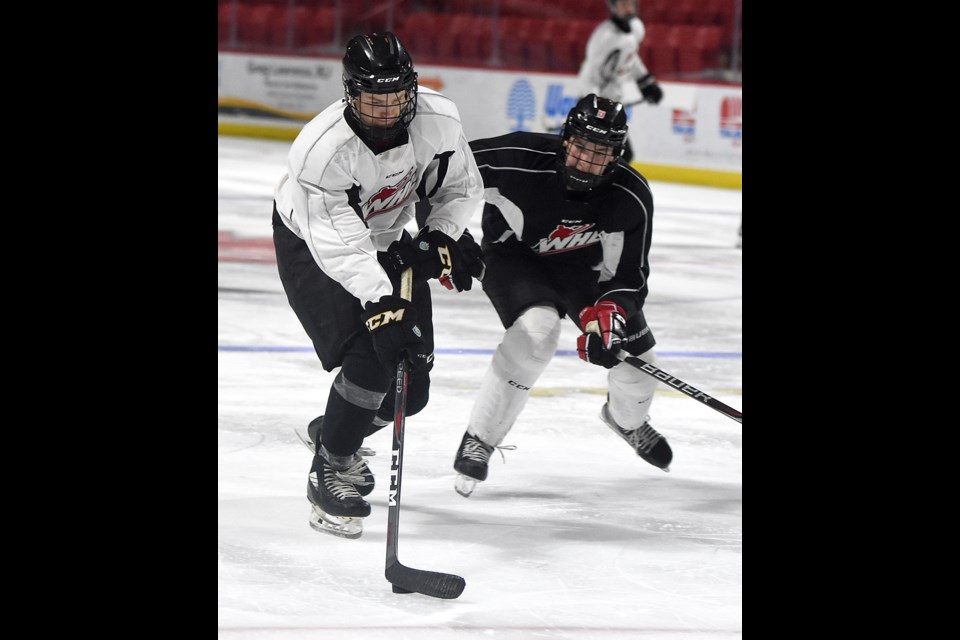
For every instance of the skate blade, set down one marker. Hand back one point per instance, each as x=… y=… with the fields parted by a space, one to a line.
x=366 y=452
x=464 y=485
x=305 y=439
x=335 y=525
x=665 y=469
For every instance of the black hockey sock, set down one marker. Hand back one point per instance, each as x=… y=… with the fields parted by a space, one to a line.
x=418 y=394
x=344 y=425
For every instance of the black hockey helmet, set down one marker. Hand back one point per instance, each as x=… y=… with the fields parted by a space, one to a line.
x=379 y=64
x=599 y=121
x=612 y=6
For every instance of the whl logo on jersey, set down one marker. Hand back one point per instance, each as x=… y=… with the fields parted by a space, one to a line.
x=565 y=238
x=390 y=197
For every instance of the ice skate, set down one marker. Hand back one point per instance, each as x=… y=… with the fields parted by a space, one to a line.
x=649 y=445
x=338 y=508
x=471 y=463
x=364 y=477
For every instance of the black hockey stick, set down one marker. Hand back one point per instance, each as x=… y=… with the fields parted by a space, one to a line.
x=681 y=386
x=404 y=579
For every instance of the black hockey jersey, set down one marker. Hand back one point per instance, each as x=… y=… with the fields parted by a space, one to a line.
x=527 y=204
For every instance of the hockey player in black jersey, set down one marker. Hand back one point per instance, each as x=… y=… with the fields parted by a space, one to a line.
x=566 y=232
x=355 y=174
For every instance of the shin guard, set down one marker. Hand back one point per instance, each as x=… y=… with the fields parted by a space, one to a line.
x=631 y=392
x=525 y=351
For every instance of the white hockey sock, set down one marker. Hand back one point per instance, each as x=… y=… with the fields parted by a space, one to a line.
x=631 y=392
x=525 y=351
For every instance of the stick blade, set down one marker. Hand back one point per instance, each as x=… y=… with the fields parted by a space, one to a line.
x=429 y=583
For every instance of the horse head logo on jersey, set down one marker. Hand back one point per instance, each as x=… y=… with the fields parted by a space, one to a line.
x=390 y=197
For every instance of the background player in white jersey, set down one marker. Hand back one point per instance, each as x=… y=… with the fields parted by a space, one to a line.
x=355 y=173
x=566 y=231
x=612 y=59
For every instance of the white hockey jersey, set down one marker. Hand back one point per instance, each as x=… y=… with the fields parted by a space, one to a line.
x=347 y=203
x=612 y=59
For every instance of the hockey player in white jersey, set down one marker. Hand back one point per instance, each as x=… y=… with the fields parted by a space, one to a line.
x=355 y=173
x=612 y=59
x=567 y=227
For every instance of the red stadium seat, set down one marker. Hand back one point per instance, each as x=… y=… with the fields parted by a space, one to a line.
x=661 y=56
x=254 y=24
x=437 y=6
x=580 y=33
x=653 y=11
x=469 y=7
x=679 y=12
x=513 y=34
x=560 y=46
x=448 y=29
x=704 y=51
x=279 y=37
x=591 y=11
x=527 y=8
x=712 y=12
x=419 y=35
x=688 y=49
x=224 y=18
x=476 y=41
x=537 y=45
x=319 y=29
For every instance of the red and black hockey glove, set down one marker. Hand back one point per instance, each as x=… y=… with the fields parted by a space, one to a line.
x=444 y=260
x=604 y=329
x=392 y=323
x=433 y=254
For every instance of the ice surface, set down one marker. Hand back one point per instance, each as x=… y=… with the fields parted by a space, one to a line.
x=573 y=537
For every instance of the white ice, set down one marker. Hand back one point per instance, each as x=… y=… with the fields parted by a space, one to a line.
x=572 y=537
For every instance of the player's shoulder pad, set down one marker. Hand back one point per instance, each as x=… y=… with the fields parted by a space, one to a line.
x=433 y=103
x=631 y=180
x=630 y=177
x=323 y=137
